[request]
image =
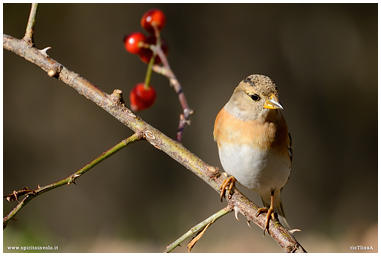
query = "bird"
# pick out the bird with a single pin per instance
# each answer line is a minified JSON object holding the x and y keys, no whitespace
{"x":254,"y":144}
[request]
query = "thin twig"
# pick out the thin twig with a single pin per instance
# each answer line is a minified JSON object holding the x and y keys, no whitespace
{"x":31,"y":24}
{"x":198,"y":227}
{"x":67,"y":181}
{"x":167,"y":71}
{"x":147,"y":80}
{"x":195,"y":239}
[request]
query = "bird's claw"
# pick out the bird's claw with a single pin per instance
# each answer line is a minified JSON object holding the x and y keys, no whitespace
{"x":224,"y":186}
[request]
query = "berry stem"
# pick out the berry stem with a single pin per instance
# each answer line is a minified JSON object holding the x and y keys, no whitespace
{"x":167,"y":71}
{"x":157,"y":32}
{"x":155,"y":50}
{"x":147,"y":80}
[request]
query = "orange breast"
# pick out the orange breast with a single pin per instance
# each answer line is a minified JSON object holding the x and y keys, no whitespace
{"x":261,"y":134}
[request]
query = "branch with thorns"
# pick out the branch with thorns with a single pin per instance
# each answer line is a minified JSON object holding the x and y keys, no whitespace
{"x":114,"y":105}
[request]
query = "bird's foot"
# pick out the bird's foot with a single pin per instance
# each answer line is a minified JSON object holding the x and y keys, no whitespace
{"x":270,"y":214}
{"x":227,"y":185}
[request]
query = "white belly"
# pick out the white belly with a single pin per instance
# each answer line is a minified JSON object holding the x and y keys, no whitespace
{"x":254,"y":169}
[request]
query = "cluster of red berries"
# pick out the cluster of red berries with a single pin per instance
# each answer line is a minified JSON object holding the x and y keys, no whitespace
{"x":143,"y":96}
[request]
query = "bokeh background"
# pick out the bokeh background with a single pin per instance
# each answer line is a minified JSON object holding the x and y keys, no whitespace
{"x":323,"y":58}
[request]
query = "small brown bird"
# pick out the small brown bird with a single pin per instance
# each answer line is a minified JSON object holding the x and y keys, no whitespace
{"x":254,"y":144}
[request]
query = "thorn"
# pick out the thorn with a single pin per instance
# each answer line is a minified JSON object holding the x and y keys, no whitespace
{"x":43,"y":51}
{"x":188,"y":111}
{"x":248,"y":223}
{"x":73,"y":177}
{"x":292,"y":231}
{"x":236,"y":212}
{"x":191,"y":111}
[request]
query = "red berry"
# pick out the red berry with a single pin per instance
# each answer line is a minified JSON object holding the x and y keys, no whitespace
{"x":153,"y":16}
{"x":131,"y":42}
{"x":142,"y":98}
{"x":146,"y":54}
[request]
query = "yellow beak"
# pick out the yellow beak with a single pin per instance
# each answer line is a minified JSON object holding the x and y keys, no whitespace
{"x":272,"y":103}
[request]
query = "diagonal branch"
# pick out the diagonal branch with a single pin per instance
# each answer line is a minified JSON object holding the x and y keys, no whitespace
{"x":30,"y":194}
{"x":198,"y":228}
{"x":112,"y":104}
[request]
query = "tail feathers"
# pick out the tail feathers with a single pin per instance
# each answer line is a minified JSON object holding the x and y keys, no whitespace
{"x":282,"y":216}
{"x":279,"y":210}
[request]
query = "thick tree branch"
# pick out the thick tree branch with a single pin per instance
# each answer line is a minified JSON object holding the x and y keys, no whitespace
{"x":114,"y":106}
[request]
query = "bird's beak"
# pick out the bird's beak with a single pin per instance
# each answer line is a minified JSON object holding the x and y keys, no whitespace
{"x":272,"y":103}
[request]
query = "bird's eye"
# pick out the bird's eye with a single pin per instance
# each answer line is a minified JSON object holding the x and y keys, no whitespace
{"x":255,"y":97}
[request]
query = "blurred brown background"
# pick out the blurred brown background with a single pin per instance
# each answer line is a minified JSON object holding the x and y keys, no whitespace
{"x":323,"y":58}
